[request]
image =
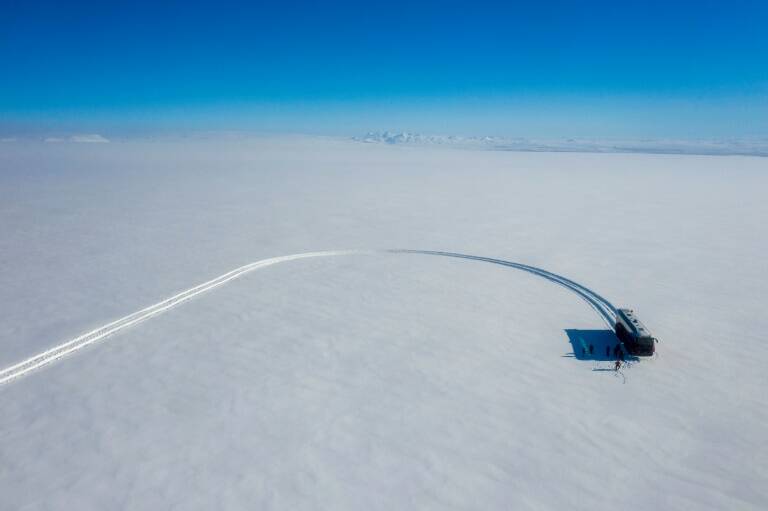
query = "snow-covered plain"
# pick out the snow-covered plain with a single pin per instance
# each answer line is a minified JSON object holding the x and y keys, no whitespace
{"x":380,"y":380}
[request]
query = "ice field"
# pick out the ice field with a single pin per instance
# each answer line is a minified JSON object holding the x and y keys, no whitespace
{"x":367,"y":379}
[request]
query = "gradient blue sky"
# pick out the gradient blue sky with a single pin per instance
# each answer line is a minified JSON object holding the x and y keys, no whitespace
{"x":549,"y":68}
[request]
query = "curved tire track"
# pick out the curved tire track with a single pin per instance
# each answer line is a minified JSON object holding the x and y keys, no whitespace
{"x":602,"y":306}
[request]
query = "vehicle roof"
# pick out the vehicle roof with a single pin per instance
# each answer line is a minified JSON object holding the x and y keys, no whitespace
{"x":628,"y":315}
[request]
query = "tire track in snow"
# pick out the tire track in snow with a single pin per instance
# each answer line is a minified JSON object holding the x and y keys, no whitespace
{"x":602,"y":306}
{"x":57,"y":352}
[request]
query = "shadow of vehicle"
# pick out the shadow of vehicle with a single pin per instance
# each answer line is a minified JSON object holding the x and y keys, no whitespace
{"x":603,"y":343}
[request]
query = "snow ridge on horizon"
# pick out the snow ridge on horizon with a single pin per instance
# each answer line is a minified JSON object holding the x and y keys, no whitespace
{"x":744,"y":147}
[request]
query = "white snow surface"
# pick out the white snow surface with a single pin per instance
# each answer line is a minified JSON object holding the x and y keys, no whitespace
{"x":379,"y":380}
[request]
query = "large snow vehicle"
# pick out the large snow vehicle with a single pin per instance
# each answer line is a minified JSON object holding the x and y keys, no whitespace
{"x":635,"y":336}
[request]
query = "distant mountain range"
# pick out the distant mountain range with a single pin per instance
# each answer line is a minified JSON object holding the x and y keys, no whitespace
{"x":751,"y":147}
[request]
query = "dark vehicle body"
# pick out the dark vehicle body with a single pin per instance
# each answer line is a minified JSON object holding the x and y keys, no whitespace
{"x":633,"y":334}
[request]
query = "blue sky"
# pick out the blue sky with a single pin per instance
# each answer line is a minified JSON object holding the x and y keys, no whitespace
{"x":556,"y":68}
